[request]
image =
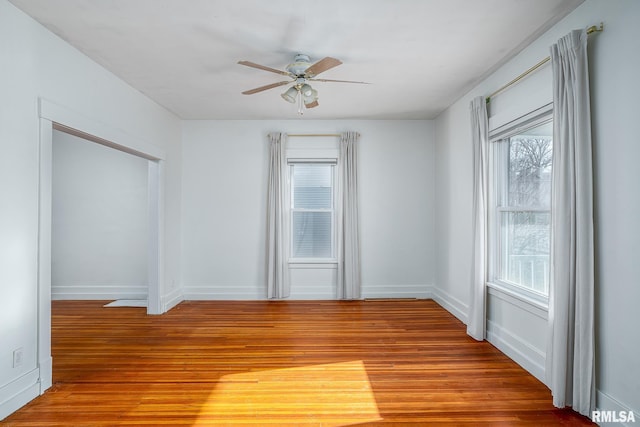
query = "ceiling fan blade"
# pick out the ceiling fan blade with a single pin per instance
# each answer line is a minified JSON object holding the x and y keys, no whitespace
{"x":322,"y":66}
{"x":312,"y":105}
{"x":267,"y":87}
{"x":338,"y":81}
{"x":263,"y":67}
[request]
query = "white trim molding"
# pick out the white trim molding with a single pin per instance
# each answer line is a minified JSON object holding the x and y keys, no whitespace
{"x":421,"y":291}
{"x":94,"y":292}
{"x":520,"y":300}
{"x":46,"y":373}
{"x":228,"y":292}
{"x":171,"y":299}
{"x":520,"y":351}
{"x":19,"y":392}
{"x":450,"y":303}
{"x":78,"y":124}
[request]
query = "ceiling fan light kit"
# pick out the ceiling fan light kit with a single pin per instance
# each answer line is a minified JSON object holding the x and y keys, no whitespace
{"x":306,"y":90}
{"x":301,"y":71}
{"x":290,"y":94}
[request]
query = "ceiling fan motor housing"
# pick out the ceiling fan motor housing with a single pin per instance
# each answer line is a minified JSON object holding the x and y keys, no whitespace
{"x":299,"y":65}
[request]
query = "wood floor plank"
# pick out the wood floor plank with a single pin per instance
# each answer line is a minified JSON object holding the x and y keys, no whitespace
{"x":303,"y":363}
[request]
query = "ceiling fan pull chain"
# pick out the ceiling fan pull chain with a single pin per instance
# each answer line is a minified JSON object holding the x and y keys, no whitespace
{"x":300,"y":107}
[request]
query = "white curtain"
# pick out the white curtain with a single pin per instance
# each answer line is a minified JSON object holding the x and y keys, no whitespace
{"x":348,"y":283}
{"x":277,"y":233}
{"x":570,"y":366}
{"x":480,"y":141}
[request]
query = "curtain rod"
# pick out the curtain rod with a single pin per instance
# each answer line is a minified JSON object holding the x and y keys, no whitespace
{"x":314,"y":134}
{"x":590,"y":30}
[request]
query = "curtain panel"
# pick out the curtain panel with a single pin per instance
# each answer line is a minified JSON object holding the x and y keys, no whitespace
{"x":570,"y":363}
{"x":277,"y":268}
{"x":480,"y":140}
{"x":348,"y":279}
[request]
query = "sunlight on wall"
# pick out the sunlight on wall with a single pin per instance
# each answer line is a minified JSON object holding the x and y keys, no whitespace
{"x":336,"y":394}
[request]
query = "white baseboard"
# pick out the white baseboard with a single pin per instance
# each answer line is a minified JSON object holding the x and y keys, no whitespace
{"x":18,"y":393}
{"x":223,"y":293}
{"x":451,"y":304}
{"x":172,"y":299}
{"x":252,"y":293}
{"x":522,"y":352}
{"x":397,"y":291}
{"x":98,"y":292}
{"x":605,"y":402}
{"x":46,"y":373}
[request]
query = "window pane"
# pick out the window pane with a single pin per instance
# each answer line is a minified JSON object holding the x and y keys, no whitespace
{"x":520,"y":239}
{"x":312,"y":186}
{"x":530,"y":168}
{"x":525,"y":249}
{"x":311,"y":235}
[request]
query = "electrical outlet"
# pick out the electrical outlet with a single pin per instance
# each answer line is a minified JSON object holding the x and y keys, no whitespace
{"x":18,"y":355}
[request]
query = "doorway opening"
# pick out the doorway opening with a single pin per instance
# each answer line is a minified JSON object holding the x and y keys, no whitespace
{"x":99,"y":231}
{"x":57,"y":118}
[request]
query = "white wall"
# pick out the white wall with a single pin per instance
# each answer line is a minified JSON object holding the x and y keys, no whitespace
{"x":224,"y":205}
{"x":222,"y":251}
{"x":613,"y":64}
{"x":34,"y":63}
{"x":100,"y":221}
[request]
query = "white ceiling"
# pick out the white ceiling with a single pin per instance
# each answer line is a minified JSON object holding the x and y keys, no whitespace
{"x":419,"y":55}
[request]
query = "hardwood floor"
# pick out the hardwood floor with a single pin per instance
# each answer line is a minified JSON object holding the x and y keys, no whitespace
{"x":320,"y":363}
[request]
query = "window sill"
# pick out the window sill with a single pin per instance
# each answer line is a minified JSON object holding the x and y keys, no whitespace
{"x":316,"y":263}
{"x":537,"y":306}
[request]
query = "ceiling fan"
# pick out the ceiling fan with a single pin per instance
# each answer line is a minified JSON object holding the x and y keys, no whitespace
{"x":300,"y":72}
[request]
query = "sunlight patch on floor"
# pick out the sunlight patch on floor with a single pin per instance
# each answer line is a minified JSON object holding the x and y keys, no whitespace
{"x":127,"y":303}
{"x":336,"y":394}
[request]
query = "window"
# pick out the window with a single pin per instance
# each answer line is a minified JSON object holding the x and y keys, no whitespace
{"x":522,"y":199}
{"x":312,"y":210}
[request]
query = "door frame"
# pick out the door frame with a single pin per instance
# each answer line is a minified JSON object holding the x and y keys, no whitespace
{"x":53,"y":116}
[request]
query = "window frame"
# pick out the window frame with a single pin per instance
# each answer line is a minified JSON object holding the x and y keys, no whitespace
{"x":498,"y":189}
{"x":291,"y":163}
